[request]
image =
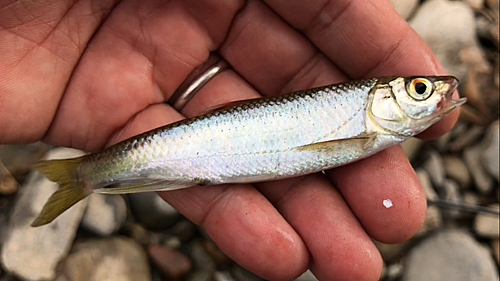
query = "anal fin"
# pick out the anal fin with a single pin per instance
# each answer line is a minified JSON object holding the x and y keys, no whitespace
{"x":144,"y":185}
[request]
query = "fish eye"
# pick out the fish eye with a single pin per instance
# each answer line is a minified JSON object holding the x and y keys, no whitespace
{"x":419,"y":89}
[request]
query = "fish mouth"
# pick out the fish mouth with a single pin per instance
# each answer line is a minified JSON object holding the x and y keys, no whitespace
{"x":447,"y":86}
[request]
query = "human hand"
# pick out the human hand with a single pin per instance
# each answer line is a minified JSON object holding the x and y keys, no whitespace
{"x":92,"y":73}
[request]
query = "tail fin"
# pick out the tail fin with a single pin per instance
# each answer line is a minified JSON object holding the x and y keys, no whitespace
{"x":70,"y":192}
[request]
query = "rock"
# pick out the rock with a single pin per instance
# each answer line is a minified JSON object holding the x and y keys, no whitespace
{"x":184,"y":229}
{"x":105,"y":214}
{"x":213,"y":250}
{"x":433,"y":220}
{"x":471,"y":198}
{"x":488,"y":225}
{"x":425,"y":181}
{"x":390,"y":252}
{"x":482,"y":180}
{"x":172,"y":263}
{"x":20,"y":159}
{"x":404,"y":8}
{"x":467,"y":138}
{"x":437,"y":23}
{"x":411,"y":147}
{"x":200,"y":275}
{"x":490,"y":150}
{"x":307,"y":276}
{"x":435,"y":168}
{"x":115,"y":258}
{"x":223,"y":276}
{"x":201,"y":259}
{"x":241,"y":274}
{"x":475,"y":4}
{"x":450,"y":255}
{"x":172,"y":242}
{"x":452,"y":194}
{"x":33,"y":253}
{"x":8,"y":184}
{"x":496,"y":249}
{"x":152,"y":211}
{"x":455,"y":169}
{"x":394,"y":271}
{"x":138,"y":233}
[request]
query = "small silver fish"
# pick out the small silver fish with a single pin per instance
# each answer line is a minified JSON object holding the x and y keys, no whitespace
{"x":258,"y":140}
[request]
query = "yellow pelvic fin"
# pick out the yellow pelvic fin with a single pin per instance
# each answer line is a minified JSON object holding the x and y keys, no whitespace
{"x":70,"y":192}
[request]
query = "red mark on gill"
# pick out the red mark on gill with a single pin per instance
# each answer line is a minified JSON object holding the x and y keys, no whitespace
{"x":440,"y":104}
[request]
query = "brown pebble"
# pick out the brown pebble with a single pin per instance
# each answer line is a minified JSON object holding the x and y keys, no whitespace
{"x":455,"y":169}
{"x":172,"y":263}
{"x":8,"y":184}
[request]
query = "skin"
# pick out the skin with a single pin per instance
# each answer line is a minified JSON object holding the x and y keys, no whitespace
{"x":88,"y":74}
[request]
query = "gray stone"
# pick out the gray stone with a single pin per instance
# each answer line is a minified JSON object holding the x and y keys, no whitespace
{"x":425,"y":181}
{"x":455,"y":169}
{"x":433,"y":220}
{"x":20,"y":159}
{"x":241,"y":274}
{"x":411,"y":147}
{"x":437,"y":23}
{"x":452,"y":194}
{"x":467,"y":138}
{"x":201,"y":259}
{"x":307,"y":276}
{"x":200,"y":275}
{"x":435,"y":168}
{"x":33,"y":253}
{"x":394,"y":271}
{"x":105,"y":214}
{"x":390,"y":252}
{"x":223,"y":276}
{"x":471,"y":198}
{"x":450,"y":255}
{"x":116,"y":258}
{"x":490,"y":150}
{"x":152,"y":211}
{"x":488,"y":225}
{"x":482,"y":180}
{"x":184,"y":229}
{"x":404,"y":8}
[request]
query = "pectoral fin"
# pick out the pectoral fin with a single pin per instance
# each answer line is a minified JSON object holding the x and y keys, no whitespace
{"x":327,"y":146}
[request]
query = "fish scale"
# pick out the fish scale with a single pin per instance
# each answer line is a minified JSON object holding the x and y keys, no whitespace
{"x":254,"y":151}
{"x":258,"y":140}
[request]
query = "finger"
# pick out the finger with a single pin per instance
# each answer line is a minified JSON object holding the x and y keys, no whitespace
{"x":237,"y":217}
{"x":256,"y":21}
{"x":139,"y":56}
{"x":339,"y":246}
{"x":40,"y":43}
{"x":330,"y":236}
{"x":364,"y":39}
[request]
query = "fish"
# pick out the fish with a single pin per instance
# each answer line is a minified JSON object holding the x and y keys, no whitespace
{"x":258,"y":140}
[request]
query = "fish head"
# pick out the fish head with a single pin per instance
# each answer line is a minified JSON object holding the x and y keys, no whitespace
{"x":407,"y":106}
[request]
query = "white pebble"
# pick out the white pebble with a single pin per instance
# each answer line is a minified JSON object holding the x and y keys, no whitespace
{"x":387,"y":203}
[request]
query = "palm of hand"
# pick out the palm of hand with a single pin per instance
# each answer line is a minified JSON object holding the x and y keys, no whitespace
{"x":57,"y":88}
